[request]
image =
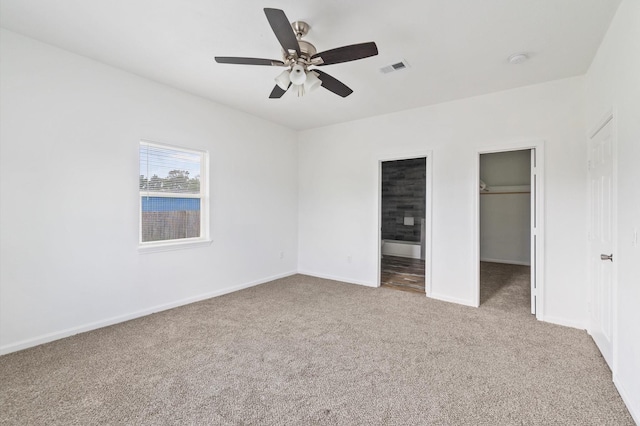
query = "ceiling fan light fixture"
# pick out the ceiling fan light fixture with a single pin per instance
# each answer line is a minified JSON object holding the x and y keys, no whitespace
{"x":298,"y":75}
{"x":299,"y":54}
{"x":312,"y":82}
{"x":283,"y":80}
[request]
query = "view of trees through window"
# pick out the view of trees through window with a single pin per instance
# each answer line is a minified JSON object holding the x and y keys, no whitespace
{"x":176,"y":181}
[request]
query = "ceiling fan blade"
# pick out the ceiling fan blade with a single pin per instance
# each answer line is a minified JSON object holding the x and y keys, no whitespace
{"x":333,"y":85}
{"x":347,"y":53}
{"x":248,"y":61}
{"x":282,"y":29}
{"x":277,"y":92}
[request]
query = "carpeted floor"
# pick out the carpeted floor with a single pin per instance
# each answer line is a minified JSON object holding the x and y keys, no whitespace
{"x":302,"y":351}
{"x":505,"y":287}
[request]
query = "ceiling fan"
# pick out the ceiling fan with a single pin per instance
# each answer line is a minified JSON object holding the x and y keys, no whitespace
{"x":299,"y":55}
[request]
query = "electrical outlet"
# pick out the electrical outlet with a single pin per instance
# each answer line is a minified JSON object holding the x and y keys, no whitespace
{"x":281,"y":254}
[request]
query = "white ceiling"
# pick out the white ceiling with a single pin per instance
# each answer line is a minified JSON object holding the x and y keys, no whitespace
{"x":456,"y":48}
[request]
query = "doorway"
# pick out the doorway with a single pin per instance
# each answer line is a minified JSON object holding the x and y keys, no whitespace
{"x":509,"y":224}
{"x":403,"y":224}
{"x":505,"y":243}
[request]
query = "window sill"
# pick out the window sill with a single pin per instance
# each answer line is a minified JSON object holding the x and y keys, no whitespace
{"x":170,"y":246}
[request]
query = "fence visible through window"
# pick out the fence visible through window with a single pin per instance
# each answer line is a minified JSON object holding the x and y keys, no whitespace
{"x":170,"y":218}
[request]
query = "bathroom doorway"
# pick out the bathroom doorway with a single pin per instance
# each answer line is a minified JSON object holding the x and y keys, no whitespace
{"x":403,"y":224}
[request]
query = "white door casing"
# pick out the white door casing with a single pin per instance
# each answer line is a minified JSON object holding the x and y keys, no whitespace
{"x":600,"y":236}
{"x":534,"y":228}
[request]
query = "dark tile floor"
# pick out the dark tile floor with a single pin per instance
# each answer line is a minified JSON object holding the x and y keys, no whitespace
{"x":402,"y":273}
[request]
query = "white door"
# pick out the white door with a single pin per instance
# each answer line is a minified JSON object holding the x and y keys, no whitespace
{"x":601,"y":240}
{"x":534,"y":228}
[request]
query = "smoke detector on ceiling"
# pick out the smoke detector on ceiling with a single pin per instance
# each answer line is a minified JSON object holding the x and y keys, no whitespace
{"x":518,"y":58}
{"x":398,"y":66}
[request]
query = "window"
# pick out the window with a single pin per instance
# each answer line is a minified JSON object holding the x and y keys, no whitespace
{"x":173,"y":197}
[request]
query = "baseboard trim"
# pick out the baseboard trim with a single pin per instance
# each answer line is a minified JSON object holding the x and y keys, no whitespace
{"x":633,"y":410}
{"x":445,"y":298}
{"x":564,"y":322}
{"x":56,"y":335}
{"x":336,"y":278}
{"x":508,"y":262}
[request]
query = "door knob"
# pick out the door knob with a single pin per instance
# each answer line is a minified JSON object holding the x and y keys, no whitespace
{"x":606,"y":257}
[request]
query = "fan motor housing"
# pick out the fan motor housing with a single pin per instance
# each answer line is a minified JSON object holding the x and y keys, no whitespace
{"x":307,"y":49}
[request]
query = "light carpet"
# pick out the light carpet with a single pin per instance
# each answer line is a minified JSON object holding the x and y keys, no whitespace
{"x":303,"y":351}
{"x":505,"y":287}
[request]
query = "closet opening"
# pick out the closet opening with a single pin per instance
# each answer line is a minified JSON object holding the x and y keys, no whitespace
{"x":507,"y":224}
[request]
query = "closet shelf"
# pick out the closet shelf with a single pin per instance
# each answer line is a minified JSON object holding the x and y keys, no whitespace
{"x":504,"y":193}
{"x":506,"y":189}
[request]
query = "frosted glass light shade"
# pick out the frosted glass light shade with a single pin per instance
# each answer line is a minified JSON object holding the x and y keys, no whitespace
{"x":283,"y":80}
{"x":298,"y":76}
{"x":312,"y":82}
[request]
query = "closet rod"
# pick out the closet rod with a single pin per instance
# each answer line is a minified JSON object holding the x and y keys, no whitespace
{"x":502,"y":193}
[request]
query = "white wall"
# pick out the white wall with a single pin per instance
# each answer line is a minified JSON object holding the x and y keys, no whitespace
{"x":508,"y":168}
{"x":505,"y":227}
{"x":338,"y":182}
{"x":69,"y":208}
{"x":613,"y":82}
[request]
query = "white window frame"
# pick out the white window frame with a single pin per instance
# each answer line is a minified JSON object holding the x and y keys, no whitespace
{"x":204,"y":238}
